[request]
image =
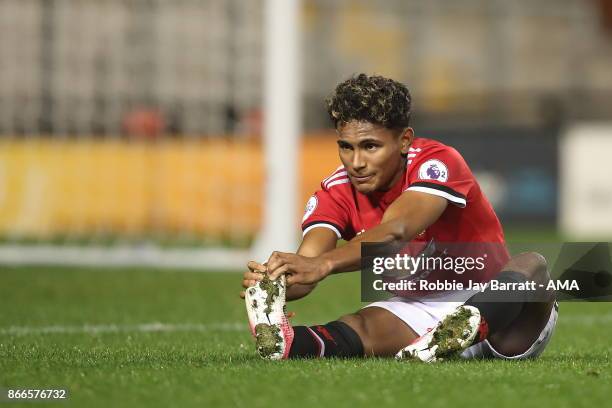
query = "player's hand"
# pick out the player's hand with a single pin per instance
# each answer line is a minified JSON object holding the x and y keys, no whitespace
{"x":253,"y":275}
{"x":297,"y":268}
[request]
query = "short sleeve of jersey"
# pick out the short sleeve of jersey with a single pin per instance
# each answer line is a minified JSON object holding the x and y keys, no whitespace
{"x":323,"y":209}
{"x":442,"y":172}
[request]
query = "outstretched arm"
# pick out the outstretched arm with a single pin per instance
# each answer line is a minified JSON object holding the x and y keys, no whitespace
{"x":410,"y":214}
{"x":315,"y":243}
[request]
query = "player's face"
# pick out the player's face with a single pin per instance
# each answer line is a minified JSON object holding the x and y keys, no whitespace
{"x":372,"y":154}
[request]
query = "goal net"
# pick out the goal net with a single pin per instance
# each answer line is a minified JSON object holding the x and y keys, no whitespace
{"x":133,"y":132}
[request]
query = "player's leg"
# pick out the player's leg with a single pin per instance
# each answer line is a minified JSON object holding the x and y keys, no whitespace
{"x":372,"y":331}
{"x":382,"y":333}
{"x":516,"y":335}
{"x":511,"y":321}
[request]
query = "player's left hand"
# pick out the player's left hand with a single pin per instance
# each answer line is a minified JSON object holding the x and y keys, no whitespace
{"x":297,"y":268}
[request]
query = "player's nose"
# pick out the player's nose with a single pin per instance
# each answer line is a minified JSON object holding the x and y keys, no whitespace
{"x":358,"y":161}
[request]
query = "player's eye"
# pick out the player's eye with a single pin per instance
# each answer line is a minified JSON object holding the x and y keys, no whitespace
{"x":371,"y":146}
{"x":345,"y":146}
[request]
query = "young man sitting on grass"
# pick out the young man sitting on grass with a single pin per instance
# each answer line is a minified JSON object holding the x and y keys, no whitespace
{"x":393,"y":187}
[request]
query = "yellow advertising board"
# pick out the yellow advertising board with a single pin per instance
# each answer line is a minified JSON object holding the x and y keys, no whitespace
{"x":91,"y":186}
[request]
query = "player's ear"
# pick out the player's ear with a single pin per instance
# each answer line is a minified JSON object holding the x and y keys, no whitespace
{"x":406,"y":139}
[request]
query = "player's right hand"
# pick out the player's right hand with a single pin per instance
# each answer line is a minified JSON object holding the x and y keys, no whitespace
{"x":253,"y":275}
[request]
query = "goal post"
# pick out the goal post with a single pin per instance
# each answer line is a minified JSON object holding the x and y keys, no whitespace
{"x":281,"y":127}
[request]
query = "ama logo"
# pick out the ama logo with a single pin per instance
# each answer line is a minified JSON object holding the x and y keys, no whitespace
{"x":433,"y":170}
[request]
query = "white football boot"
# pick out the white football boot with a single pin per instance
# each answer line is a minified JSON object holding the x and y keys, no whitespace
{"x":265,"y":304}
{"x":448,"y":339}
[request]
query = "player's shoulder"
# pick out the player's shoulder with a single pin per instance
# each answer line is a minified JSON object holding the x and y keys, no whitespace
{"x":424,"y":148}
{"x":338,"y":180}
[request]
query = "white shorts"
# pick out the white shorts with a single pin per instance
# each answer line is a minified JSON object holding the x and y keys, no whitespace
{"x":421,"y":316}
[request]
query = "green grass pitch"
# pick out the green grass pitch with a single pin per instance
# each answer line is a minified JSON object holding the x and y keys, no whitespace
{"x":141,"y":337}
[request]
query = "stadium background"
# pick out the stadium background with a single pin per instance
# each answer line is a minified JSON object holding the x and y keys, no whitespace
{"x":132,"y":133}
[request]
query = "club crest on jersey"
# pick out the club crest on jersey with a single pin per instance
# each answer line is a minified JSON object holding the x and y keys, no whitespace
{"x":433,"y":170}
{"x":311,"y":205}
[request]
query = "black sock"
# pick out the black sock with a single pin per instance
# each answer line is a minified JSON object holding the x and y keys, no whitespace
{"x":334,"y":339}
{"x":499,"y":308}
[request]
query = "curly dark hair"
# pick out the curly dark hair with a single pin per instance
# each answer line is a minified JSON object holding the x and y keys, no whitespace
{"x":373,"y":99}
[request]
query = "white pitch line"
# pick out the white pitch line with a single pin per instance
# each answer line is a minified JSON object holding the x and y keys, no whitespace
{"x":156,"y":327}
{"x":125,"y":256}
{"x":117,"y":328}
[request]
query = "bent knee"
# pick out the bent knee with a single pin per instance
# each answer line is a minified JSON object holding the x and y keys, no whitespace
{"x":358,"y":323}
{"x":531,"y":264}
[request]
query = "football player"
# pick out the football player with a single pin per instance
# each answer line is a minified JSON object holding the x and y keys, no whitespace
{"x":393,"y":187}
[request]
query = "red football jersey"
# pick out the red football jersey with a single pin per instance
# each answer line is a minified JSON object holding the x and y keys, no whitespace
{"x":432,"y":168}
